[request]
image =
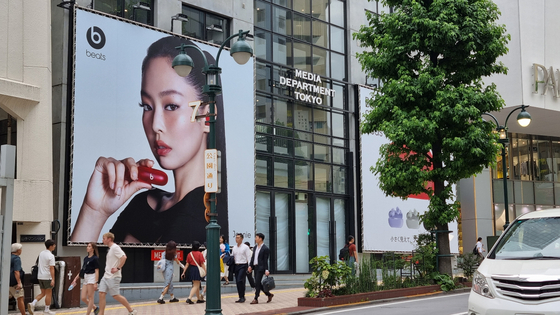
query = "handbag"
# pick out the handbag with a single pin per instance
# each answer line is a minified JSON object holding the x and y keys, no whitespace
{"x":34,"y":278}
{"x":268,"y":284}
{"x":200,"y":269}
{"x":229,"y":260}
{"x":161,"y":265}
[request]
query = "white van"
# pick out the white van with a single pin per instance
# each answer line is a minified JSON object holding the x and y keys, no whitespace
{"x":521,"y":274}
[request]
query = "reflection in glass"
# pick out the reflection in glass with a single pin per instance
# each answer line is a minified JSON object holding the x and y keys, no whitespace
{"x":340,"y":219}
{"x":338,"y":125}
{"x":304,"y":175}
{"x":320,"y":10}
{"x":262,"y":168}
{"x":322,"y":153}
{"x":302,"y":118}
{"x":323,"y":221}
{"x":337,"y":12}
{"x":544,"y":193}
{"x":322,"y":139}
{"x":281,"y":210}
{"x":263,"y":143}
{"x":323,"y":176}
{"x":263,"y":213}
{"x":339,"y":179}
{"x":282,"y":50}
{"x":282,"y":146}
{"x":321,"y":65}
{"x":281,"y":173}
{"x":263,"y":77}
{"x":338,"y":100}
{"x":542,"y":160}
{"x":302,"y":233}
{"x":337,"y":39}
{"x":302,"y":28}
{"x":321,"y":34}
{"x":262,"y":14}
{"x":500,"y":217}
{"x":282,"y":21}
{"x":338,"y":156}
{"x":523,"y":192}
{"x":264,"y":109}
{"x":283,"y":115}
{"x":322,"y":121}
{"x":302,"y":56}
{"x":303,"y":149}
{"x":302,"y":6}
{"x":262,"y":41}
{"x":338,"y":66}
{"x":498,"y":187}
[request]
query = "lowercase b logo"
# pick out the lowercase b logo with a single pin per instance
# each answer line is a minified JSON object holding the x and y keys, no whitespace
{"x":95,"y":37}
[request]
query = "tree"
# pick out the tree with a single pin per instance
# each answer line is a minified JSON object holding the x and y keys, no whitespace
{"x":431,"y":56}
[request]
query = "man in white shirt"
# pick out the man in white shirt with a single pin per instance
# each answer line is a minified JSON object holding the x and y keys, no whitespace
{"x":111,"y":281}
{"x":46,"y":278}
{"x":242,"y":255}
{"x":480,"y":249}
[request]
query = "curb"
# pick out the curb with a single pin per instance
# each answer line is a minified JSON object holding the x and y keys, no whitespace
{"x":456,"y":291}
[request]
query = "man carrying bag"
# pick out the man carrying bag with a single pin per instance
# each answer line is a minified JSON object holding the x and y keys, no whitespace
{"x":259,"y":263}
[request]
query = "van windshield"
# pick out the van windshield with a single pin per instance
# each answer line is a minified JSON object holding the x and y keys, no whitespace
{"x":530,"y":239}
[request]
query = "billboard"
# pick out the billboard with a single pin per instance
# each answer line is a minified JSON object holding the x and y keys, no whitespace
{"x":388,"y":223}
{"x":132,"y":128}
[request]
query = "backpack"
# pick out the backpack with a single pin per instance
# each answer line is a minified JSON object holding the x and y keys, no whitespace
{"x":344,"y":253}
{"x":475,"y":250}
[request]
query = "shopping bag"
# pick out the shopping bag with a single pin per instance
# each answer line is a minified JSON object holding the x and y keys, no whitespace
{"x":161,"y":265}
{"x":268,"y":284}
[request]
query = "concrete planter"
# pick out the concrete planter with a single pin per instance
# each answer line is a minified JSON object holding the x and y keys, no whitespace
{"x":369,"y":296}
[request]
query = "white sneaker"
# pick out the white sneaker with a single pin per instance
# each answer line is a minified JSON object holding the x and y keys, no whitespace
{"x":30,"y":308}
{"x":134,"y":312}
{"x":49,"y":312}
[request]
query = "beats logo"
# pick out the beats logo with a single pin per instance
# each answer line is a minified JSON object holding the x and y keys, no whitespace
{"x":95,"y":37}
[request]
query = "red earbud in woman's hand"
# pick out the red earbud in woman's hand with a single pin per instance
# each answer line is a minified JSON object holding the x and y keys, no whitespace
{"x":151,"y":176}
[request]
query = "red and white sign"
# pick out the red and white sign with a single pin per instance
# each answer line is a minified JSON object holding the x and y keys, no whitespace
{"x":157,"y":254}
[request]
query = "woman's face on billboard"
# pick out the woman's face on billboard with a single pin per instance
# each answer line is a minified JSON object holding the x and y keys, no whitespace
{"x":173,"y":138}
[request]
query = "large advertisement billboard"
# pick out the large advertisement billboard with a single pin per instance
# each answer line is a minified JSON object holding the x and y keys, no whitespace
{"x":389,"y":223}
{"x":132,"y":128}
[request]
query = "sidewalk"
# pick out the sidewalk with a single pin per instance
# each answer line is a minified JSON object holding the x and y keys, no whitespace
{"x":284,"y":301}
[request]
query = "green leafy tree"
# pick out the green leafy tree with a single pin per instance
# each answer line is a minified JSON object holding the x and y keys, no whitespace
{"x":431,"y":56}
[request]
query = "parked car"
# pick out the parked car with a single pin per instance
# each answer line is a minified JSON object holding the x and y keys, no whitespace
{"x":521,"y":274}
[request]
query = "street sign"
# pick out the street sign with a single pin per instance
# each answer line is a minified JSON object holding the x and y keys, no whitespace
{"x":211,"y":171}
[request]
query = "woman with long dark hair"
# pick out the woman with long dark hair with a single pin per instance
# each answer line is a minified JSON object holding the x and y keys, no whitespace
{"x":170,"y":257}
{"x":155,"y":215}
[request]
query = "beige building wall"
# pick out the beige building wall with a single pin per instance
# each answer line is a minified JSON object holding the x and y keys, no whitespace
{"x":25,"y":94}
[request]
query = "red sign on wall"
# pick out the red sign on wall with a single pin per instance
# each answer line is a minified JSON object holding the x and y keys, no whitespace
{"x":157,"y":254}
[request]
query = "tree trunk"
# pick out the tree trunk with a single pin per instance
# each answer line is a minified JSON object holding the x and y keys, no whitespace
{"x":444,"y":249}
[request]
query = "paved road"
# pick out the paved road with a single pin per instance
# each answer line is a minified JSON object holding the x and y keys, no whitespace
{"x":442,"y":304}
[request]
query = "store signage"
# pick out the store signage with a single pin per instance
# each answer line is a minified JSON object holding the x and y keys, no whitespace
{"x":158,"y":254}
{"x":32,"y":238}
{"x":307,"y":90}
{"x":546,"y":78}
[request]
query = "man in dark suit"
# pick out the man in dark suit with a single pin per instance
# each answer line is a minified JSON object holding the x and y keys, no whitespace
{"x":259,"y":263}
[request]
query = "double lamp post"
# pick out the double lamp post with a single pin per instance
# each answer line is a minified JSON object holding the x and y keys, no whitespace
{"x":524,"y":119}
{"x":241,"y":52}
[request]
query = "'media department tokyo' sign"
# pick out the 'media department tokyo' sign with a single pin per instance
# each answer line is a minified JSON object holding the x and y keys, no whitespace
{"x":304,"y":90}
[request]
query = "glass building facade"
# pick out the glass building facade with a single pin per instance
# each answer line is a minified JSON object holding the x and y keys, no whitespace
{"x":302,"y":186}
{"x":533,"y":169}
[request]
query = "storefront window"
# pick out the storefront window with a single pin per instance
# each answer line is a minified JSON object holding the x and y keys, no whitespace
{"x":302,"y":28}
{"x":323,"y":174}
{"x":262,"y":43}
{"x":321,"y":63}
{"x":302,"y":6}
{"x":282,"y":173}
{"x":321,"y":34}
{"x":304,"y":175}
{"x":320,"y":9}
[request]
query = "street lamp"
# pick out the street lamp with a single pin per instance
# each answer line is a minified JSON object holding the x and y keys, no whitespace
{"x":183,"y":64}
{"x":524,"y":119}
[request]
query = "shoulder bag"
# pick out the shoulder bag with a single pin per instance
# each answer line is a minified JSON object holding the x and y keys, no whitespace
{"x":200,"y":269}
{"x":35,"y":272}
